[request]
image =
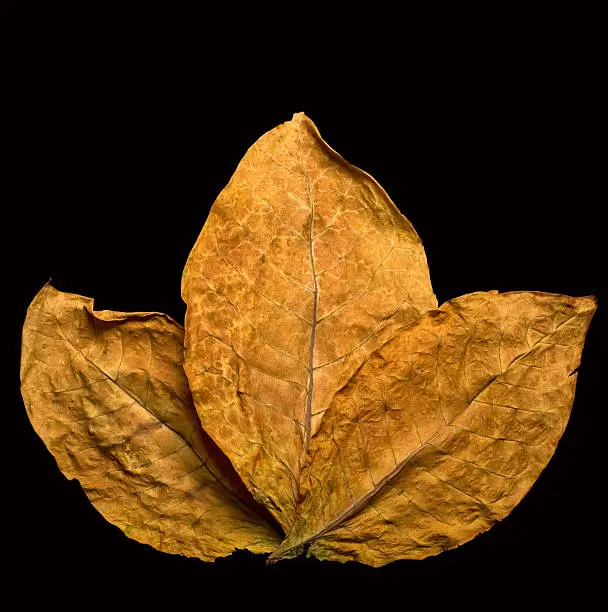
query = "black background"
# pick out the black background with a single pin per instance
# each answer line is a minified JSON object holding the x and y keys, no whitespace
{"x":121,"y":129}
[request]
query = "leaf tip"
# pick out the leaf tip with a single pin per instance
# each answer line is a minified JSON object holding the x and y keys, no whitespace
{"x":40,"y":295}
{"x":587,"y":303}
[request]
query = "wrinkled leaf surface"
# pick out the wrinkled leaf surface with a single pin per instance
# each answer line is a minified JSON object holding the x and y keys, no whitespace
{"x":373,"y":425}
{"x":107,"y":394}
{"x":304,"y":266}
{"x":443,"y":430}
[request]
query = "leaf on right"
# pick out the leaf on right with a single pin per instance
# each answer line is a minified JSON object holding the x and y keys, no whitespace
{"x":443,"y":430}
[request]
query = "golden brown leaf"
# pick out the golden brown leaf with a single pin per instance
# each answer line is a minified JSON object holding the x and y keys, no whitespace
{"x":303,"y":268}
{"x":107,"y":394}
{"x":442,"y":430}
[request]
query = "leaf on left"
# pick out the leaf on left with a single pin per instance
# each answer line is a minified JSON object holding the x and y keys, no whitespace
{"x":107,"y":394}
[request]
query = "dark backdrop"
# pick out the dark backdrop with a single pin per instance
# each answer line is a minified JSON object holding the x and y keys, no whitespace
{"x":121,"y":132}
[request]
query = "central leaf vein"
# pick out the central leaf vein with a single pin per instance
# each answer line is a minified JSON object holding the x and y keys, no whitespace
{"x":315,"y":298}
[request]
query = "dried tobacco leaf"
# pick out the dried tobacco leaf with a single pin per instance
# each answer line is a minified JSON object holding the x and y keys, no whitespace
{"x":107,"y":394}
{"x":303,"y":268}
{"x":443,"y":430}
{"x":373,"y":425}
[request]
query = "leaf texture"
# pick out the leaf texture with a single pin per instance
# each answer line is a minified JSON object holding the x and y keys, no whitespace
{"x":303,"y":268}
{"x":107,"y":394}
{"x":443,"y":430}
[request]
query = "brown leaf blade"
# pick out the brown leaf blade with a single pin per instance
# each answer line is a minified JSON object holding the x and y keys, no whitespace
{"x":302,"y":269}
{"x":107,"y":394}
{"x":443,"y":430}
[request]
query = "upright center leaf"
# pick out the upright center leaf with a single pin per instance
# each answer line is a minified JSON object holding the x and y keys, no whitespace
{"x":303,"y":268}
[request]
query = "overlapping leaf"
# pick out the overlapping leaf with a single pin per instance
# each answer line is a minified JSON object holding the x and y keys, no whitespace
{"x":107,"y":394}
{"x":304,"y":266}
{"x":443,"y":430}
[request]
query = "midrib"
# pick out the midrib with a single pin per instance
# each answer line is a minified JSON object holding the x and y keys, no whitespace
{"x":315,"y":297}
